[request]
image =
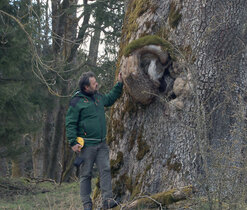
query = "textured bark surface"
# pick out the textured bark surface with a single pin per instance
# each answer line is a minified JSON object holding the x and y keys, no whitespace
{"x":165,"y":144}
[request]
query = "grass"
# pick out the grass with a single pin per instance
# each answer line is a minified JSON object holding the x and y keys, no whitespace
{"x":22,"y":195}
{"x":41,"y":196}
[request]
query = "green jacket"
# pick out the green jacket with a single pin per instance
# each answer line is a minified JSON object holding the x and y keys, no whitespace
{"x":86,"y":116}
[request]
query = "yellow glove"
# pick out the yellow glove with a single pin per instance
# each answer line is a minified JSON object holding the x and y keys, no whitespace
{"x":81,"y":141}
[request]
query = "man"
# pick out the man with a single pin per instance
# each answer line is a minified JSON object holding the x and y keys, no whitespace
{"x":86,"y":118}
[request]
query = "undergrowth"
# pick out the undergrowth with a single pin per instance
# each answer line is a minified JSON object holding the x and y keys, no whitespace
{"x":23,"y":194}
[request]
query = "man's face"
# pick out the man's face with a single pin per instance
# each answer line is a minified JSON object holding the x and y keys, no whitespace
{"x":93,"y":86}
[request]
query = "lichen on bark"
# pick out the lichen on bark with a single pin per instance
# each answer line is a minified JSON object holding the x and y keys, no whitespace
{"x":135,"y":10}
{"x":116,"y":164}
{"x":143,"y":147}
{"x":174,"y":15}
{"x":198,"y":80}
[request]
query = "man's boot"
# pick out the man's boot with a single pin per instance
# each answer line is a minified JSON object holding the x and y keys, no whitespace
{"x":109,"y":203}
{"x":88,"y":206}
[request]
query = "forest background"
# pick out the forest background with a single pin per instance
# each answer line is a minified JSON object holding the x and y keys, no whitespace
{"x":45,"y":47}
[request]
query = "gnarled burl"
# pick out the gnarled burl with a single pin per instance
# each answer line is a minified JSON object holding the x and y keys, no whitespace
{"x":142,"y":71}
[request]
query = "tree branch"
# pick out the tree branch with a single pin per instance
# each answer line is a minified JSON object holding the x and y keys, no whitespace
{"x":82,"y":31}
{"x":59,"y":31}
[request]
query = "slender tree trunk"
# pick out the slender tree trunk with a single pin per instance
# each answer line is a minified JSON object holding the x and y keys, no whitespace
{"x":178,"y":121}
{"x":19,"y":162}
{"x":17,"y":168}
{"x":56,"y":147}
{"x":38,"y":155}
{"x":46,"y":30}
{"x":94,"y":43}
{"x":48,"y":134}
{"x":3,"y":167}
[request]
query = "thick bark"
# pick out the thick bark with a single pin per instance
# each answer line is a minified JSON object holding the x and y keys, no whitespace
{"x":187,"y":129}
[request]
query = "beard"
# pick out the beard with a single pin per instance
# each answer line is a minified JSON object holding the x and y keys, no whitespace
{"x":92,"y":92}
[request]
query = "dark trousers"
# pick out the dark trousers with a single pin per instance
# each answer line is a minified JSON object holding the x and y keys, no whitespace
{"x":98,"y":154}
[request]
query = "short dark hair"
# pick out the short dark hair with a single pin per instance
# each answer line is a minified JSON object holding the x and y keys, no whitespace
{"x":84,"y":79}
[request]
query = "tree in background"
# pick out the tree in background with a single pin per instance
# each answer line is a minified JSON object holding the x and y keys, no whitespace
{"x":17,"y":105}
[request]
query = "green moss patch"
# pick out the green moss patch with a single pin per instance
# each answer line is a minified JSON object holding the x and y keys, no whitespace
{"x":164,"y":198}
{"x":122,"y":184}
{"x":116,"y":164}
{"x":118,"y":126}
{"x":96,"y":190}
{"x":132,"y":139}
{"x":143,"y":147}
{"x":136,"y":190}
{"x":174,"y":15}
{"x":164,"y":32}
{"x":143,"y":41}
{"x":150,"y":40}
{"x":135,"y":10}
{"x":136,"y":187}
{"x":173,"y":165}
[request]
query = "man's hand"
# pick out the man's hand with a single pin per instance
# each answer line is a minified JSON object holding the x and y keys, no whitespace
{"x":120,"y":78}
{"x":76,"y":148}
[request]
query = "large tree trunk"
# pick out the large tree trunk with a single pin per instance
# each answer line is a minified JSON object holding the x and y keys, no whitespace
{"x":187,"y":124}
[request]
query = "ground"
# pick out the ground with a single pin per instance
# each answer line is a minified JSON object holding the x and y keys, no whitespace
{"x":28,"y":194}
